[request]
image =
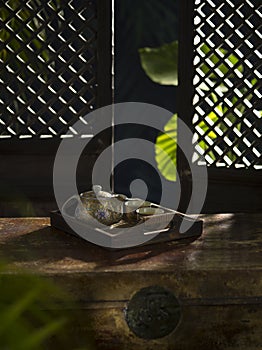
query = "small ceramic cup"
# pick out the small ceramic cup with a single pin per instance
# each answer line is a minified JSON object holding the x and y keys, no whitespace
{"x":130,"y":207}
{"x":148,"y":211}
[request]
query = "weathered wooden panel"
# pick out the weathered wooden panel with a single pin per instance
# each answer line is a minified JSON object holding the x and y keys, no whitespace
{"x":217,"y":280}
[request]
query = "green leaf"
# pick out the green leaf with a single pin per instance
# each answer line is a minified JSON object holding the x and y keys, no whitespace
{"x":231,"y":62}
{"x":37,"y":337}
{"x":16,"y":51}
{"x":161,"y":63}
{"x":166,"y":149}
{"x":212,"y":117}
{"x":13,"y":312}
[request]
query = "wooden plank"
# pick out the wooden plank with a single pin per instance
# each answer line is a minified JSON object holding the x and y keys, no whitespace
{"x":213,"y":328}
{"x":224,"y":263}
{"x":217,"y":280}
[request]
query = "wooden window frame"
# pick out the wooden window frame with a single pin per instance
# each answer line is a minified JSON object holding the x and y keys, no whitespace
{"x":26,"y":172}
{"x":27,"y":164}
{"x":229,"y":190}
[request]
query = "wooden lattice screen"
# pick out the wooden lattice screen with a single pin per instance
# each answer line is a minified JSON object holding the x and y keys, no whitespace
{"x":227,"y":80}
{"x":55,"y":67}
{"x":52,"y":55}
{"x":220,"y":100}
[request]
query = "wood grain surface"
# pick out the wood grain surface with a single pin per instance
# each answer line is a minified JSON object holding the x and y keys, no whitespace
{"x":217,"y":279}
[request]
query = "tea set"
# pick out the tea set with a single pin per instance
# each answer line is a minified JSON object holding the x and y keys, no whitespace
{"x":110,"y":208}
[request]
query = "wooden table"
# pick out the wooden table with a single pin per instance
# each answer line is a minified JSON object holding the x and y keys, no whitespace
{"x":217,"y":280}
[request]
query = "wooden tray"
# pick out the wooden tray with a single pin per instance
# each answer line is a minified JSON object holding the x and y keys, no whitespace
{"x":114,"y":241}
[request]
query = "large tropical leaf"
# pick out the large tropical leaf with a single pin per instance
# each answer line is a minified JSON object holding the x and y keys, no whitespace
{"x":166,"y":149}
{"x":161,"y":63}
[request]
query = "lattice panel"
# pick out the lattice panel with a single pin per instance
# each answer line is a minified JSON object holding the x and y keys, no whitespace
{"x":48,"y":59}
{"x":227,"y":81}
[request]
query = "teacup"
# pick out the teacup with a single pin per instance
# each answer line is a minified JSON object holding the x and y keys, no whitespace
{"x":130,"y":207}
{"x":148,"y":211}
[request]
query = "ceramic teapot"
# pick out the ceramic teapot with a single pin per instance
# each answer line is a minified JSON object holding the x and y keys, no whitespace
{"x":104,"y":207}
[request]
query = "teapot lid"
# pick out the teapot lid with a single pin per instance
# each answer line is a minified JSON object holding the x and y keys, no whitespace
{"x":97,"y":193}
{"x":97,"y":189}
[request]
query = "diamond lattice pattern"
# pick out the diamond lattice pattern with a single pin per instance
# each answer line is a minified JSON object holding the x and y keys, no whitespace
{"x":48,"y":66}
{"x":227,"y":81}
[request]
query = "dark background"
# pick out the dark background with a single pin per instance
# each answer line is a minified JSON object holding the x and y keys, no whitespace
{"x":141,"y":24}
